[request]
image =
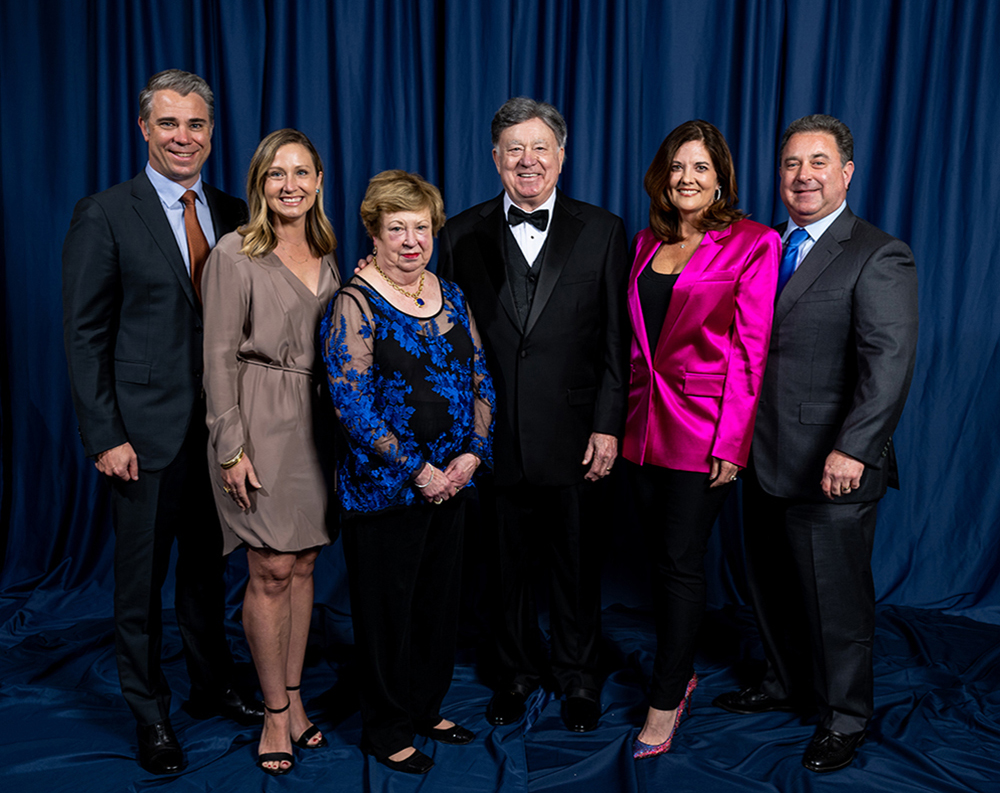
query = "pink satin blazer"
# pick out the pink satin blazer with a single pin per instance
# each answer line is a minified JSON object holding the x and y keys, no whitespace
{"x":695,"y":396}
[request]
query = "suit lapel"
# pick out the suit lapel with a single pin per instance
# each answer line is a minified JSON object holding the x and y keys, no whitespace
{"x":645,"y":250}
{"x":147,"y":205}
{"x":489,"y":236}
{"x":827,"y":248}
{"x":566,"y":227}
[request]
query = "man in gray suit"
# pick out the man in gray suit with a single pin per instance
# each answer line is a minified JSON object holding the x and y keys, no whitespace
{"x":133,"y":332}
{"x":839,"y":367}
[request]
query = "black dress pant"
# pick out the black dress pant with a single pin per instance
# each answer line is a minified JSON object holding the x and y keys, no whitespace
{"x":810,"y":584}
{"x":149,"y":514}
{"x":677,"y":510}
{"x":557,"y":526}
{"x":405,"y":571}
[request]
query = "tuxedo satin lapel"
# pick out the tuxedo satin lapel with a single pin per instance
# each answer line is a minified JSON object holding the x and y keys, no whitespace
{"x":827,"y":248}
{"x":489,"y":237}
{"x":147,"y":205}
{"x":562,"y":238}
{"x":644,"y":253}
{"x":692,"y":272}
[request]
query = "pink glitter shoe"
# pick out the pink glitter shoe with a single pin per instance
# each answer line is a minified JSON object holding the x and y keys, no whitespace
{"x":640,"y":749}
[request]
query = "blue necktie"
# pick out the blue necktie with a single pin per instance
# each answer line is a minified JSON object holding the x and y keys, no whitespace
{"x":790,"y":256}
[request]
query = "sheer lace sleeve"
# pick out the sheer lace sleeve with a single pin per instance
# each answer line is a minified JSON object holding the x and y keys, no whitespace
{"x":367,"y":414}
{"x":481,"y":443}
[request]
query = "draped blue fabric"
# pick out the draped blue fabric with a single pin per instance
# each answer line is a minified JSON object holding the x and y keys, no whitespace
{"x":393,"y":84}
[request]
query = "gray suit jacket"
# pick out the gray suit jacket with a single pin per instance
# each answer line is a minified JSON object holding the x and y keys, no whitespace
{"x":843,"y":345}
{"x":131,"y":321}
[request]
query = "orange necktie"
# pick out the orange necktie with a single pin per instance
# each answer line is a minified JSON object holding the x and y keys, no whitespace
{"x":197,"y":244}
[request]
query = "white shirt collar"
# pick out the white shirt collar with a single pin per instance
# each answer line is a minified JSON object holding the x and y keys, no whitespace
{"x":817,"y":229}
{"x":549,"y":204}
{"x":169,"y":191}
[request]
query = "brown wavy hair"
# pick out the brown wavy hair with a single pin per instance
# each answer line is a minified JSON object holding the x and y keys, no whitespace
{"x":664,"y":219}
{"x":258,"y":234}
{"x":399,"y":191}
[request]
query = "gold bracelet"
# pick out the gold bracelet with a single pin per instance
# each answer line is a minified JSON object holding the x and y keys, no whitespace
{"x":230,"y":463}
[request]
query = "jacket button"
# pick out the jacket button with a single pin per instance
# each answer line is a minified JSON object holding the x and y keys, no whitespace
{"x":524,"y":353}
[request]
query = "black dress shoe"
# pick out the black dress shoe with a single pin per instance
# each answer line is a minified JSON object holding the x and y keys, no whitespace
{"x":506,"y":707}
{"x":831,"y":751}
{"x":580,"y":713}
{"x":159,"y":750}
{"x":230,"y":704}
{"x":416,"y":763}
{"x":751,"y":700}
{"x":456,"y":734}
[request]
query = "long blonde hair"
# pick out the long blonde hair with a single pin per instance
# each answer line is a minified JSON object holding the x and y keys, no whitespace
{"x":258,"y":234}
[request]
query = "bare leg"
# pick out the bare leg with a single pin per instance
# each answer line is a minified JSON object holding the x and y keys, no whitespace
{"x":301,"y":614}
{"x":658,"y":725}
{"x":267,"y":609}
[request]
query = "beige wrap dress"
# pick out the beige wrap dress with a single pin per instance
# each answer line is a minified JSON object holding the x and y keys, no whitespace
{"x":262,"y":393}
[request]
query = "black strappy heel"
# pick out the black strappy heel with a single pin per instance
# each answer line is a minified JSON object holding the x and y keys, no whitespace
{"x":276,"y":757}
{"x":303,"y":740}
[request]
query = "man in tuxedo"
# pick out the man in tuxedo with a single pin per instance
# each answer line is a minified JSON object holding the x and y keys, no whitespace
{"x":544,"y":276}
{"x":839,"y":366}
{"x":133,"y":333}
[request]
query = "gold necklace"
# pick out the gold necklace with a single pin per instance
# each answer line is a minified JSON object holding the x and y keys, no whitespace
{"x":414,"y":296}
{"x":288,"y":249}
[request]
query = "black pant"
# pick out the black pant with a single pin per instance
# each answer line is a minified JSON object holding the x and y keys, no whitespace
{"x":149,"y":513}
{"x":556,"y":525}
{"x":810,"y":583}
{"x":405,"y":570}
{"x":677,"y":510}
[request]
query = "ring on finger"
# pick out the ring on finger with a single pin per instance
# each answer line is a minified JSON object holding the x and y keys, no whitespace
{"x":438,"y":500}
{"x":226,"y":490}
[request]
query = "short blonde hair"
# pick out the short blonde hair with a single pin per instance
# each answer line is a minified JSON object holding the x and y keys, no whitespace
{"x":399,"y":191}
{"x":258,"y":234}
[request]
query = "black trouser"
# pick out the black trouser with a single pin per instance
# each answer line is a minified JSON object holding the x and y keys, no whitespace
{"x":677,"y":510}
{"x":556,"y":525}
{"x":405,"y":570}
{"x":810,"y":583}
{"x":149,"y":513}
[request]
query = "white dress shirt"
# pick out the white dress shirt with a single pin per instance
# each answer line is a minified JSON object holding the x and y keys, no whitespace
{"x":529,"y":239}
{"x":814,"y":230}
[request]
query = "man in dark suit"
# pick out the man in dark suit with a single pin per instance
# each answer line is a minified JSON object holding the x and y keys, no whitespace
{"x":133,"y":333}
{"x":839,"y":367}
{"x":544,"y":277}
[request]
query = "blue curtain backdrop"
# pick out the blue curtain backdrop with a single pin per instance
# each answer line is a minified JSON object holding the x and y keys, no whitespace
{"x":413,"y":85}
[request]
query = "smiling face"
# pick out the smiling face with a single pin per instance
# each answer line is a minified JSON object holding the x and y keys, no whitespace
{"x":179,"y":135}
{"x":693,"y":180}
{"x":529,"y":161}
{"x":290,"y":184}
{"x":814,"y":182}
{"x":405,"y":243}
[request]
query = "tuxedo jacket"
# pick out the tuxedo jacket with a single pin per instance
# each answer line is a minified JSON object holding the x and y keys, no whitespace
{"x":132,"y":324}
{"x":841,"y":357}
{"x":562,"y":376}
{"x":695,"y":395}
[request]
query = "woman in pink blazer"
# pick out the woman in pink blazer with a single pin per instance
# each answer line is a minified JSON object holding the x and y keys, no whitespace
{"x":700,"y":298}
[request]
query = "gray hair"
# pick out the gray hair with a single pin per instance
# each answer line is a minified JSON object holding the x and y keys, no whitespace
{"x":182,"y":83}
{"x":520,"y":109}
{"x":821,"y":123}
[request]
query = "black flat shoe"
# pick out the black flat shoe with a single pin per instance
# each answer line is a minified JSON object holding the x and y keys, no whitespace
{"x":581,"y":714}
{"x":750,"y":701}
{"x":159,"y":750}
{"x":831,"y":751}
{"x":275,"y":757}
{"x":456,"y":734}
{"x":230,"y":704}
{"x":506,"y":707}
{"x":416,"y":763}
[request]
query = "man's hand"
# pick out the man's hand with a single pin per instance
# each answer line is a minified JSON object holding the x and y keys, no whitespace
{"x":238,"y":481}
{"x":120,"y":461}
{"x":601,"y":453}
{"x":722,"y":472}
{"x":841,"y":474}
{"x":363,"y":263}
{"x":461,"y":469}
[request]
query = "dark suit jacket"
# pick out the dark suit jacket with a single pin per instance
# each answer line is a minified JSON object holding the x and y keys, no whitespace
{"x":131,"y":321}
{"x":564,"y":376}
{"x":843,"y":345}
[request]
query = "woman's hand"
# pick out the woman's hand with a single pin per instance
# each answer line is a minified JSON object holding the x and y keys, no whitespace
{"x":238,"y":480}
{"x":722,"y":472}
{"x":461,"y":469}
{"x":434,"y":484}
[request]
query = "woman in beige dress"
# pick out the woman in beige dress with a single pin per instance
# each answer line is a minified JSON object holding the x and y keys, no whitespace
{"x":265,"y":288}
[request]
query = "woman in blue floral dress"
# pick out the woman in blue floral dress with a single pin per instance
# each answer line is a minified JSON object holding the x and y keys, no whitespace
{"x":408,"y":378}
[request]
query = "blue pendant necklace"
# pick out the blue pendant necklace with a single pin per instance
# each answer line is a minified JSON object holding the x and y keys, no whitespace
{"x":414,"y":296}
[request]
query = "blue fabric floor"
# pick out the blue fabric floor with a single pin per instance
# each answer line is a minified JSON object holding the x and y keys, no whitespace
{"x":65,"y":727}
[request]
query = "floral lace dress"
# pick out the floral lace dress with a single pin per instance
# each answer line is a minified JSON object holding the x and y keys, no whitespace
{"x":408,"y":390}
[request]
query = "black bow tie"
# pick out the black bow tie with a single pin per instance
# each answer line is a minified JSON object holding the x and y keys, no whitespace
{"x":539,"y":218}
